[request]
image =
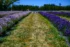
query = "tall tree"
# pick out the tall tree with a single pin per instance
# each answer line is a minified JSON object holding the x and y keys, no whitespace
{"x":4,"y":4}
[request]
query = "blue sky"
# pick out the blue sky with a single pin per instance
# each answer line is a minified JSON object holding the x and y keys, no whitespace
{"x":42,"y":2}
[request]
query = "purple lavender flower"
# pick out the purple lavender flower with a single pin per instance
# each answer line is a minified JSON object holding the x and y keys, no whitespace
{"x":67,"y":32}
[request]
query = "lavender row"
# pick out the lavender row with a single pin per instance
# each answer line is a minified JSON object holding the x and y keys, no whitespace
{"x":67,"y":14}
{"x":4,"y":13}
{"x":61,"y":24}
{"x":7,"y":21}
{"x":8,"y":12}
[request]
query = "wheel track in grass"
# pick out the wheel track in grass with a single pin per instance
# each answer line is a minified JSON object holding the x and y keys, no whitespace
{"x":34,"y":31}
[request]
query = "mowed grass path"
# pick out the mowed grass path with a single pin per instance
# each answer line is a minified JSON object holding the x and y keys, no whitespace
{"x":34,"y":31}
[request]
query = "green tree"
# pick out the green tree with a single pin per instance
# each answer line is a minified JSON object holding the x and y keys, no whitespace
{"x":5,"y":4}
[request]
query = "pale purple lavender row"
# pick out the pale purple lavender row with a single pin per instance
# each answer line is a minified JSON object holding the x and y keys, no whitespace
{"x":61,"y":13}
{"x":61,"y":24}
{"x":8,"y":12}
{"x":7,"y":21}
{"x":4,"y":13}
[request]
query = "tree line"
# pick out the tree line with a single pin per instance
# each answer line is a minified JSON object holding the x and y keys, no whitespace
{"x":7,"y":5}
{"x":45,"y":7}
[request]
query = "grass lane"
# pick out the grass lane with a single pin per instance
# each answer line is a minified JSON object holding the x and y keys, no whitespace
{"x":34,"y":31}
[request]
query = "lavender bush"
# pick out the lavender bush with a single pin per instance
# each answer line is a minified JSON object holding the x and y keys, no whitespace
{"x":66,"y":14}
{"x":5,"y":13}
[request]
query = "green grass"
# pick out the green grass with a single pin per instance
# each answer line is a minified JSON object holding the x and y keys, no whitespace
{"x":34,"y":31}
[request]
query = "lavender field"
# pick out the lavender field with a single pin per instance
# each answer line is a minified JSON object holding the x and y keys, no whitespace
{"x":34,"y":23}
{"x":34,"y":29}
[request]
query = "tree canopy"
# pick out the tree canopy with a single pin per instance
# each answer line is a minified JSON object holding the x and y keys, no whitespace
{"x":5,"y":4}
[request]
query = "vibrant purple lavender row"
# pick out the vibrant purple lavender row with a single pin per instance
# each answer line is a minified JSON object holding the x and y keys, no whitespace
{"x":61,"y":13}
{"x":61,"y":24}
{"x":9,"y":20}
